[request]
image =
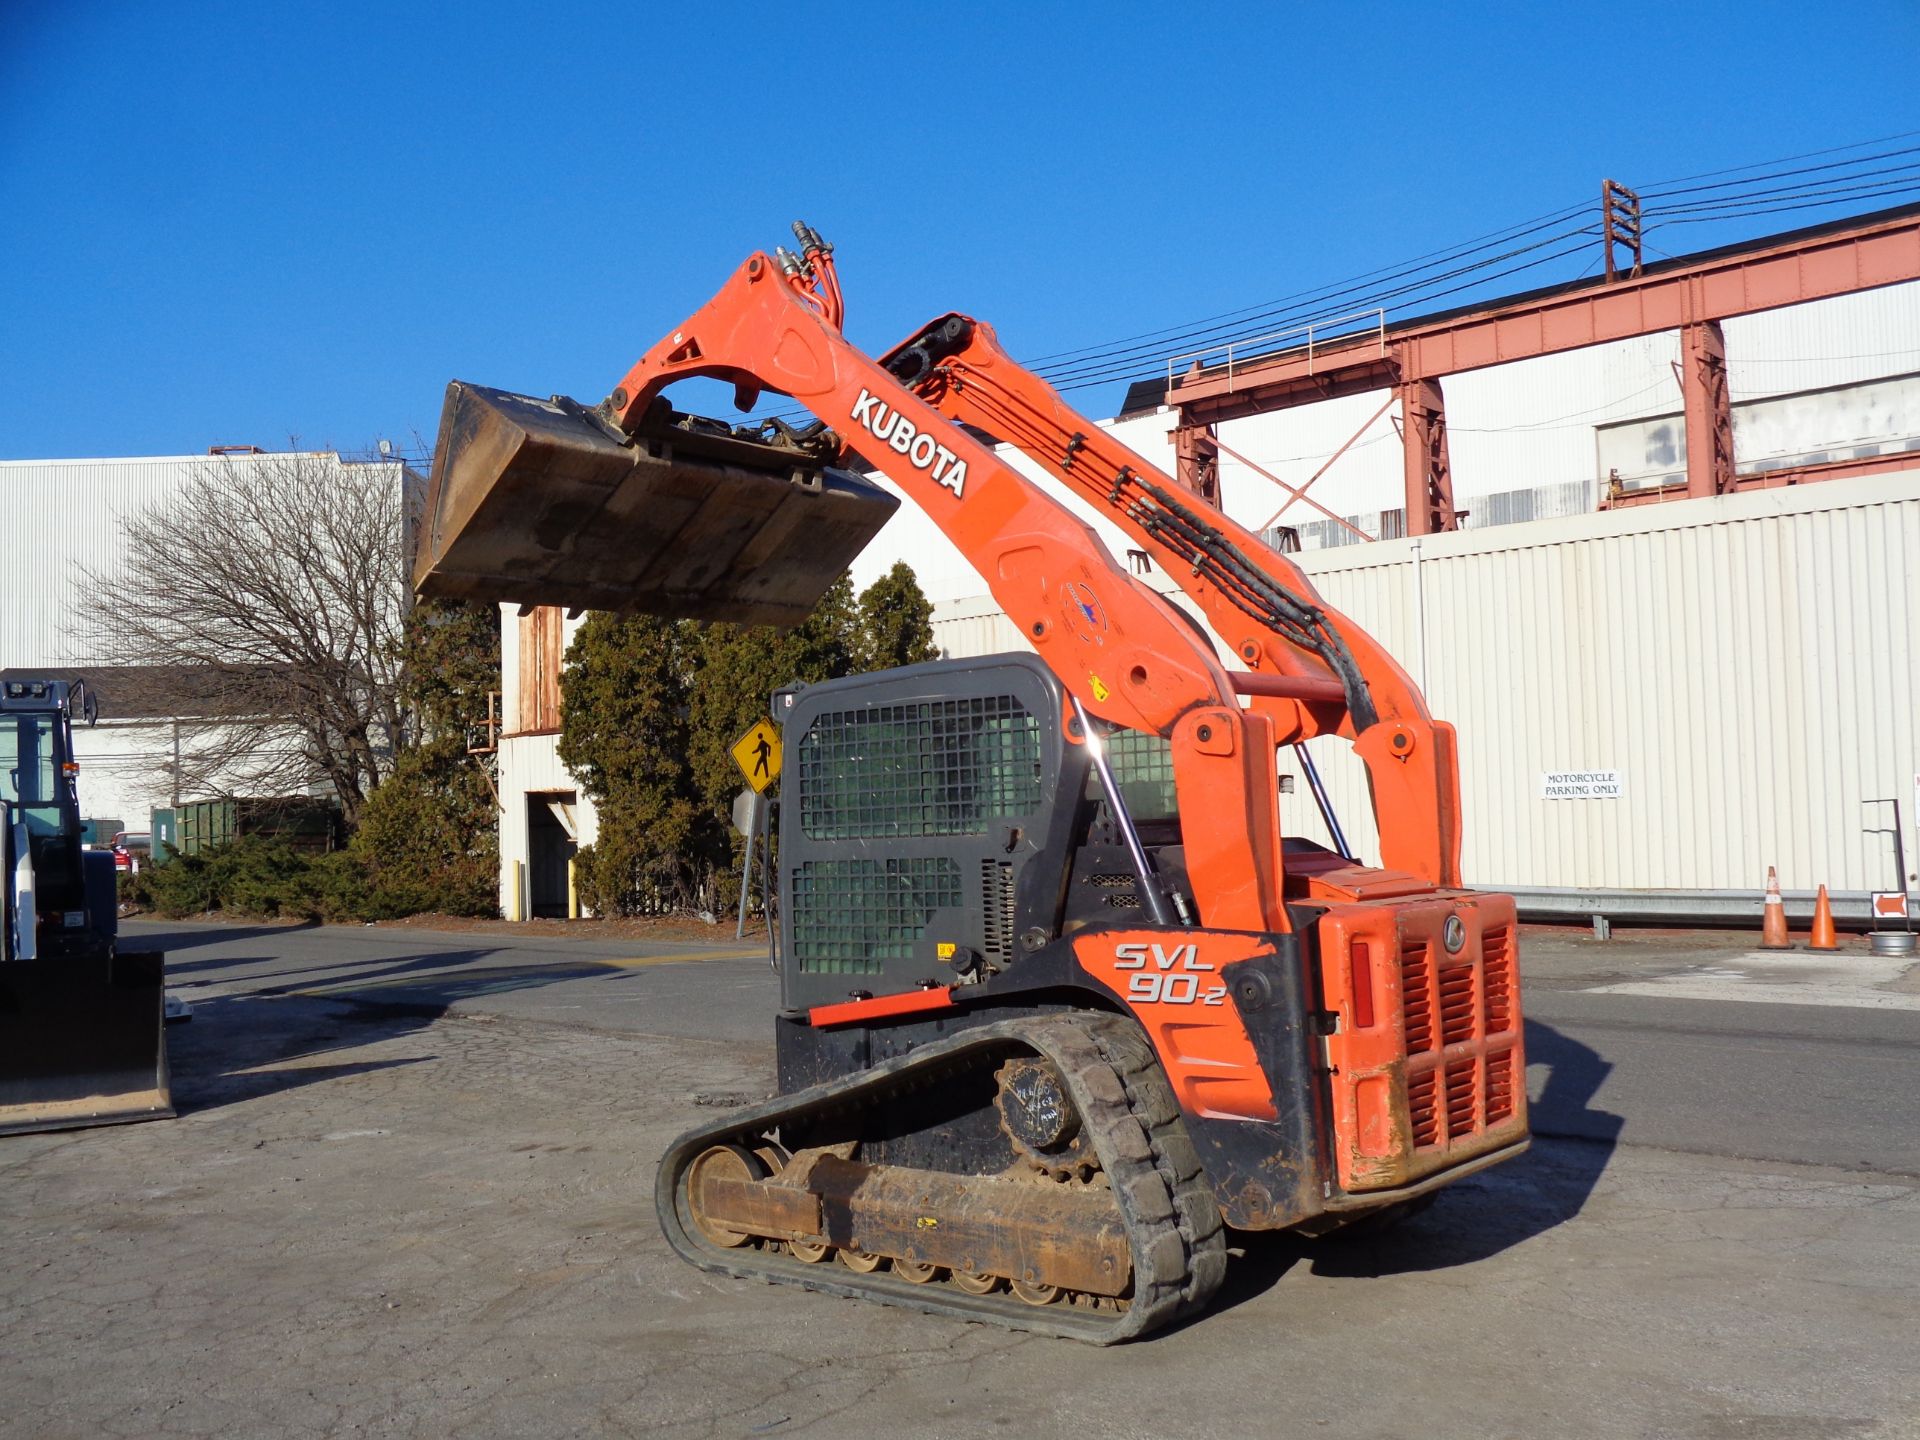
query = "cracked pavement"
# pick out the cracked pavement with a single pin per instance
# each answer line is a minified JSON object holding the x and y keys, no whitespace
{"x":429,"y":1213}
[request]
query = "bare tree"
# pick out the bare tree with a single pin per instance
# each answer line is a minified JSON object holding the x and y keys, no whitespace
{"x":275,"y":587}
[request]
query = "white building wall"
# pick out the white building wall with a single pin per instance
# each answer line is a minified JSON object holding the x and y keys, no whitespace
{"x":1510,"y":427}
{"x":1747,"y":662}
{"x":529,"y":765}
{"x":64,"y":517}
{"x":68,"y":512}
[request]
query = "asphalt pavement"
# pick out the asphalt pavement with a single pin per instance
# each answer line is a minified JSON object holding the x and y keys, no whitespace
{"x":410,"y":1193}
{"x":1650,"y":1041}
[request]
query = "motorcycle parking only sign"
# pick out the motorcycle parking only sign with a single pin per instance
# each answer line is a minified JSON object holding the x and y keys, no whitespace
{"x":1582,"y":784}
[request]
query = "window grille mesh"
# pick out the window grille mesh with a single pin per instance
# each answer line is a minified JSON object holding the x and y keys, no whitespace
{"x":1143,"y":766}
{"x":933,"y":767}
{"x":850,"y":916}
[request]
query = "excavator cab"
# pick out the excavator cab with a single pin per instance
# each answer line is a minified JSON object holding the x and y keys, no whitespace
{"x":81,"y":1019}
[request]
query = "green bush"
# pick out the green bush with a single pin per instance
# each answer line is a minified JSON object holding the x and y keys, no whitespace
{"x":251,"y":876}
{"x":650,"y":708}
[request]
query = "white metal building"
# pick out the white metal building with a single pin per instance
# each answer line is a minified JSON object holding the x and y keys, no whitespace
{"x":1745,"y":663}
{"x":69,"y":512}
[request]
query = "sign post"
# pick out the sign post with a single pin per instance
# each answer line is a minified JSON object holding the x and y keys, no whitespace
{"x":747,"y":806}
{"x":1884,"y":902}
{"x":757,"y":753}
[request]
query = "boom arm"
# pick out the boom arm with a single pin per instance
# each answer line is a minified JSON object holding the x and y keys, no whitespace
{"x":1256,"y":600}
{"x":1117,"y":646}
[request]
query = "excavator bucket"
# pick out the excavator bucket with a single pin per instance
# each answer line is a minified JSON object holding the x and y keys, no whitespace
{"x":541,"y":502}
{"x":82,"y":1041}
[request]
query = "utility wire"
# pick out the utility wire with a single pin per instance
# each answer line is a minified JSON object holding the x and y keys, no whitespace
{"x":1780,"y":160}
{"x":1385,"y":272}
{"x":1370,"y":299}
{"x":1395,"y":289}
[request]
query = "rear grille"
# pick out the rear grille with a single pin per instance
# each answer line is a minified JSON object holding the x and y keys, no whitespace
{"x":1452,"y":1005}
{"x":1416,"y":995}
{"x":1497,"y":967}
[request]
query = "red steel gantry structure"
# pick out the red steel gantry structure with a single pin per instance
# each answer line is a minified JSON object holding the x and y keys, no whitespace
{"x":1692,"y":294}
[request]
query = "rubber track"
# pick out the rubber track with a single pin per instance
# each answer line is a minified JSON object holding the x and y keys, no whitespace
{"x":1170,"y":1214}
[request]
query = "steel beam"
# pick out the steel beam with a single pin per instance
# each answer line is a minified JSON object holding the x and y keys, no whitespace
{"x":1898,"y":460}
{"x":1693,"y":290}
{"x":1429,"y":473}
{"x":1703,"y":386}
{"x":1197,"y":461}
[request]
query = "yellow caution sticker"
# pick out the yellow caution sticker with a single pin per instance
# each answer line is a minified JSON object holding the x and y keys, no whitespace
{"x":945,"y":949}
{"x":1100,"y":690}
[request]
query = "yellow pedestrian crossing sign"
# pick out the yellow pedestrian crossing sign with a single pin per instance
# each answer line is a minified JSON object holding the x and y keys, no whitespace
{"x":757,"y":753}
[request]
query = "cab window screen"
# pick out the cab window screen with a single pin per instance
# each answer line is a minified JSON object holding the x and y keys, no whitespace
{"x":1143,"y":766}
{"x":931,"y":767}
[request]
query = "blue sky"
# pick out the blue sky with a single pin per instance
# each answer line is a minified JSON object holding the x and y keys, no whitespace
{"x":225,"y":223}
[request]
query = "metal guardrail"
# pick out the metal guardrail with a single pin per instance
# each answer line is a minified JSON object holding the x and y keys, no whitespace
{"x":1705,"y":907}
{"x":1315,"y":331}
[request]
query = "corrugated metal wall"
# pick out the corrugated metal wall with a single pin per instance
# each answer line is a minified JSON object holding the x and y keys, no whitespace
{"x":1747,"y":663}
{"x":71,"y":512}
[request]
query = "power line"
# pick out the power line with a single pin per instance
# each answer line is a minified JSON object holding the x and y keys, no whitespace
{"x":1399,"y":287}
{"x":1392,"y":271}
{"x":1780,"y":160}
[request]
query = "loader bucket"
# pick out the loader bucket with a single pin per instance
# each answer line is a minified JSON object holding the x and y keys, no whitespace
{"x":540,"y":502}
{"x":82,"y":1042}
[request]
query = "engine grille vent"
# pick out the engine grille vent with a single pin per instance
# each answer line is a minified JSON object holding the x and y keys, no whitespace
{"x":1463,"y":1095}
{"x":1425,"y":1111}
{"x":1499,"y":1086}
{"x":1497,"y":970}
{"x":996,"y":909}
{"x":1456,"y":1003}
{"x":1416,"y":995}
{"x":1459,"y":1015}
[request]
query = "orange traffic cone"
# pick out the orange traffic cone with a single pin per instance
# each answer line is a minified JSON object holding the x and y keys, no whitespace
{"x":1823,"y":937}
{"x":1773,"y":929}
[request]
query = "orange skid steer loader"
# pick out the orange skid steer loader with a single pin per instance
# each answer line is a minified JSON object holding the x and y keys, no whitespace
{"x":1061,"y":1000}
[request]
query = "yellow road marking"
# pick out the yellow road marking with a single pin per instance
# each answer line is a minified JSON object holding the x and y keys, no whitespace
{"x":431,"y":977}
{"x":640,"y":960}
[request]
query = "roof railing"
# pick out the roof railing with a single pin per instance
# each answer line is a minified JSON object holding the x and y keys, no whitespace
{"x":1262,"y":346}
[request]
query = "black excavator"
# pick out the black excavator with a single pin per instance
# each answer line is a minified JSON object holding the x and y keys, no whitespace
{"x":82,"y":1016}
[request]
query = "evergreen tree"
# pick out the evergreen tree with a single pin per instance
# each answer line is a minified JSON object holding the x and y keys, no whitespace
{"x":896,"y":622}
{"x":624,"y":732}
{"x":429,"y":834}
{"x":740,"y":666}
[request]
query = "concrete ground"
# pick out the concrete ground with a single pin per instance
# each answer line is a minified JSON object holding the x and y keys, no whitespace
{"x":410,"y":1193}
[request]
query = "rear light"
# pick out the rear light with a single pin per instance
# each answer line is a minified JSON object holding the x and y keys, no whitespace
{"x":1360,"y":962}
